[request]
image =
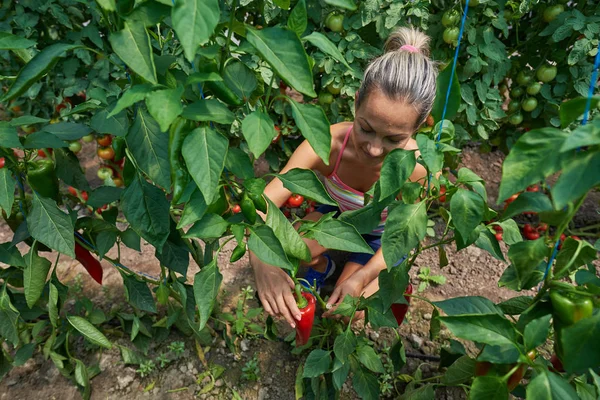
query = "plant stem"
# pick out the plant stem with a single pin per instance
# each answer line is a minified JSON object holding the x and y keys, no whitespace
{"x":229,"y":33}
{"x":270,"y":87}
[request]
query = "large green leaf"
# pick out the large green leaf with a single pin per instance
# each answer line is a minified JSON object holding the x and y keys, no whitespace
{"x":536,"y":332}
{"x":584,"y":135}
{"x":9,"y":316}
{"x":288,"y":236}
{"x":572,"y":255}
{"x":11,"y":255}
{"x":240,"y":79}
{"x":431,"y":154}
{"x":453,"y":101}
{"x":9,"y":136}
{"x":149,"y":145}
{"x":367,"y":357}
{"x":467,"y":209}
{"x":321,"y":41}
{"x":488,"y":388}
{"x":405,"y":227}
{"x":117,"y":124}
{"x":36,"y":68}
{"x":8,"y":41}
{"x":572,"y":109}
{"x":491,"y":329}
{"x":267,"y":247}
{"x":147,"y":210}
{"x":528,"y":202}
{"x":68,"y":169}
{"x":259,"y":131}
{"x":576,"y":179}
{"x":43,"y":139}
{"x":298,"y":19}
{"x":534,"y":157}
{"x":580,"y":344}
{"x":211,"y":226}
{"x":550,"y":386}
{"x":210,"y":110}
{"x":397,"y":167}
{"x":306,"y":183}
{"x":138,"y":293}
{"x":132,"y":45}
{"x":283,"y":50}
{"x":131,"y":96}
{"x":488,"y":242}
{"x":175,"y":254}
{"x":344,"y":345}
{"x":48,"y":224}
{"x":313,"y":124}
{"x":338,"y":235}
{"x":67,"y":130}
{"x":317,"y":363}
{"x":206,"y":289}
{"x":7,"y":190}
{"x":165,"y":105}
{"x":194,"y":209}
{"x":468,"y":305}
{"x":194,"y":22}
{"x":89,"y":331}
{"x":365,"y":383}
{"x":392,"y":285}
{"x":461,"y":371}
{"x":528,"y":258}
{"x":34,"y":276}
{"x":204,"y":151}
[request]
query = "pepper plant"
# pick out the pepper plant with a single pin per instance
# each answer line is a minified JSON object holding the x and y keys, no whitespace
{"x":182,"y":97}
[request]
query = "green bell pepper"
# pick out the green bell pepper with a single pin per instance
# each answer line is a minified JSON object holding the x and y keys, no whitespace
{"x":42,"y":178}
{"x":570,"y":308}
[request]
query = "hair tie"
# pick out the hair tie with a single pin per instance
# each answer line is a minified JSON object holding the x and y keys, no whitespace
{"x":409,"y":48}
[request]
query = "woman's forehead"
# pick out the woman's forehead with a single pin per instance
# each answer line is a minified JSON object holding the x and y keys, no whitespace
{"x":380,"y":109}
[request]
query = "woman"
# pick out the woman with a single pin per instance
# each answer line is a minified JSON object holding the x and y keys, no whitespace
{"x":394,"y":99}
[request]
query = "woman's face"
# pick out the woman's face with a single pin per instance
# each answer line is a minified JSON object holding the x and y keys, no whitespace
{"x":382,"y":125}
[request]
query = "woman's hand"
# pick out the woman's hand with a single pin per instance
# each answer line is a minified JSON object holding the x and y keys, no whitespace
{"x":353,"y":286}
{"x":274,"y":288}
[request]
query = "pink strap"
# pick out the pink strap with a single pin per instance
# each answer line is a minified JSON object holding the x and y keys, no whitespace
{"x":339,"y":158}
{"x":409,"y":48}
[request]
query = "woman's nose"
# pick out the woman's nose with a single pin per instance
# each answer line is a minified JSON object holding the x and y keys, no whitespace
{"x":375,"y":149}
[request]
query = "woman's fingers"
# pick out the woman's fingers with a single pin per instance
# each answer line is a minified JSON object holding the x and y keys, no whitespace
{"x":285,"y":312}
{"x":290,"y":300}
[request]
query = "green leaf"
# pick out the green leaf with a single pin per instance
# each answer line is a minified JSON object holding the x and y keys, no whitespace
{"x":584,"y":135}
{"x":468,"y":305}
{"x":149,"y":145}
{"x":117,"y":125}
{"x":452,"y":103}
{"x":392,"y":285}
{"x":572,"y":109}
{"x":239,"y":163}
{"x":27,"y":120}
{"x":42,"y":139}
{"x":550,"y":386}
{"x":34,"y":276}
{"x":397,"y":167}
{"x":210,"y":110}
{"x":527,"y":260}
{"x":461,"y":371}
{"x":206,"y":289}
{"x":345,"y":4}
{"x":11,"y":255}
{"x":491,"y":329}
{"x":8,"y":41}
{"x":344,"y":345}
{"x":365,"y":384}
{"x":313,"y":124}
{"x":367,"y":357}
{"x":36,"y":68}
{"x":426,"y":392}
{"x":147,"y":210}
{"x":194,"y":209}
{"x":516,"y":305}
{"x":89,"y":331}
{"x":175,"y":254}
{"x":104,"y":195}
{"x":321,"y":41}
{"x":24,"y":354}
{"x":50,"y":226}
{"x":306,"y":183}
{"x":317,"y":363}
{"x":9,"y":136}
{"x":211,"y":226}
{"x":528,"y":202}
{"x":131,"y":96}
{"x":487,"y":241}
{"x":582,"y":338}
{"x":406,"y":226}
{"x":67,"y":130}
{"x":488,"y":388}
{"x":298,"y":19}
{"x":465,"y":175}
{"x":132,"y":45}
{"x":536,"y":332}
{"x":68,"y":169}
{"x":433,"y":157}
{"x":267,"y":248}
{"x":53,"y":305}
{"x":579,"y":251}
{"x":575,"y":180}
{"x":338,"y":235}
{"x":194,"y":22}
{"x":7,"y":190}
{"x":466,"y":208}
{"x":340,"y":373}
{"x":204,"y":151}
{"x":9,"y":316}
{"x":533,"y":158}
{"x":258,"y":130}
{"x":511,"y":232}
{"x":138,"y":293}
{"x":288,"y":236}
{"x":165,"y":105}
{"x":365,"y":219}
{"x":284,"y":51}
{"x":240,"y":79}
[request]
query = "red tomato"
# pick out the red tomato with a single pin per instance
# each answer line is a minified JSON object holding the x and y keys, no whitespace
{"x":106,"y":153}
{"x":511,"y":198}
{"x":44,"y":152}
{"x":532,"y":236}
{"x":118,"y":182}
{"x":104,"y":140}
{"x":287,"y":213}
{"x":499,"y":236}
{"x":575,"y":237}
{"x":528,"y":229}
{"x":543,"y":227}
{"x":2,"y":162}
{"x":556,"y":363}
{"x":497,"y":228}
{"x":309,"y":209}
{"x":63,"y":105}
{"x":236,"y":209}
{"x":295,"y":200}
{"x":442,"y":194}
{"x":276,"y":138}
{"x":73,"y":191}
{"x":84,"y":195}
{"x":533,"y":188}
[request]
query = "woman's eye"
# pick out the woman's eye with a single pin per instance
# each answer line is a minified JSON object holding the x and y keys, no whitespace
{"x":365,"y":130}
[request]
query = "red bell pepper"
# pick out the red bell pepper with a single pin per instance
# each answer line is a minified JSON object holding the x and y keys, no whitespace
{"x":89,"y":262}
{"x":399,"y":310}
{"x":307,"y":305}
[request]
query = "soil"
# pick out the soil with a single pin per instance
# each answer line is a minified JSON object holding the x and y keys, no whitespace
{"x":471,"y":272}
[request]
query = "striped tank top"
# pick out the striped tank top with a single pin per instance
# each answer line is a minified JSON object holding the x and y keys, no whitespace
{"x":348,"y":198}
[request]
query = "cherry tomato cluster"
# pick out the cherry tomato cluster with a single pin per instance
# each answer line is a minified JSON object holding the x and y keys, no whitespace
{"x":296,"y":201}
{"x":563,"y":237}
{"x":81,"y":195}
{"x":499,"y":232}
{"x":531,"y":232}
{"x":113,"y":168}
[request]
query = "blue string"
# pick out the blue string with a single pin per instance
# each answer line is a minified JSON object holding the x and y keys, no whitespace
{"x":585,"y":120}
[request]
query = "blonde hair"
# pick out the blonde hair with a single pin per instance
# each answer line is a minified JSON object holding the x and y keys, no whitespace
{"x":404,"y":73}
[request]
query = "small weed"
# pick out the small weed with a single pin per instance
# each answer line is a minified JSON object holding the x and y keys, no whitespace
{"x":177,"y":348}
{"x":251,"y":370}
{"x":163,"y":360}
{"x":146,"y":368}
{"x":427,"y":279}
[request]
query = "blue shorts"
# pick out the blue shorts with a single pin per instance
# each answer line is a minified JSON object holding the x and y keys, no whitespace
{"x":374,"y":241}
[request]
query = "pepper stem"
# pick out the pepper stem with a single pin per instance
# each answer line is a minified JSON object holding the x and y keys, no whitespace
{"x":300,"y":300}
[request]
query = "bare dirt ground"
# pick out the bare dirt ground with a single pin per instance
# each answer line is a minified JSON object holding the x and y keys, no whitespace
{"x":471,"y":272}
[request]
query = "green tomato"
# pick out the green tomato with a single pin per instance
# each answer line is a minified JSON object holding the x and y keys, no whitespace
{"x":335,"y":22}
{"x":450,"y":18}
{"x":325,"y":98}
{"x":75,"y":146}
{"x":104,"y":173}
{"x":529,"y":104}
{"x":451,"y":35}
{"x":516,"y":92}
{"x":513,"y":106}
{"x":515,"y":119}
{"x":546,"y":73}
{"x":523,"y":78}
{"x":334,"y":89}
{"x":508,"y":14}
{"x":552,"y":12}
{"x":534,"y":88}
{"x":88,"y":138}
